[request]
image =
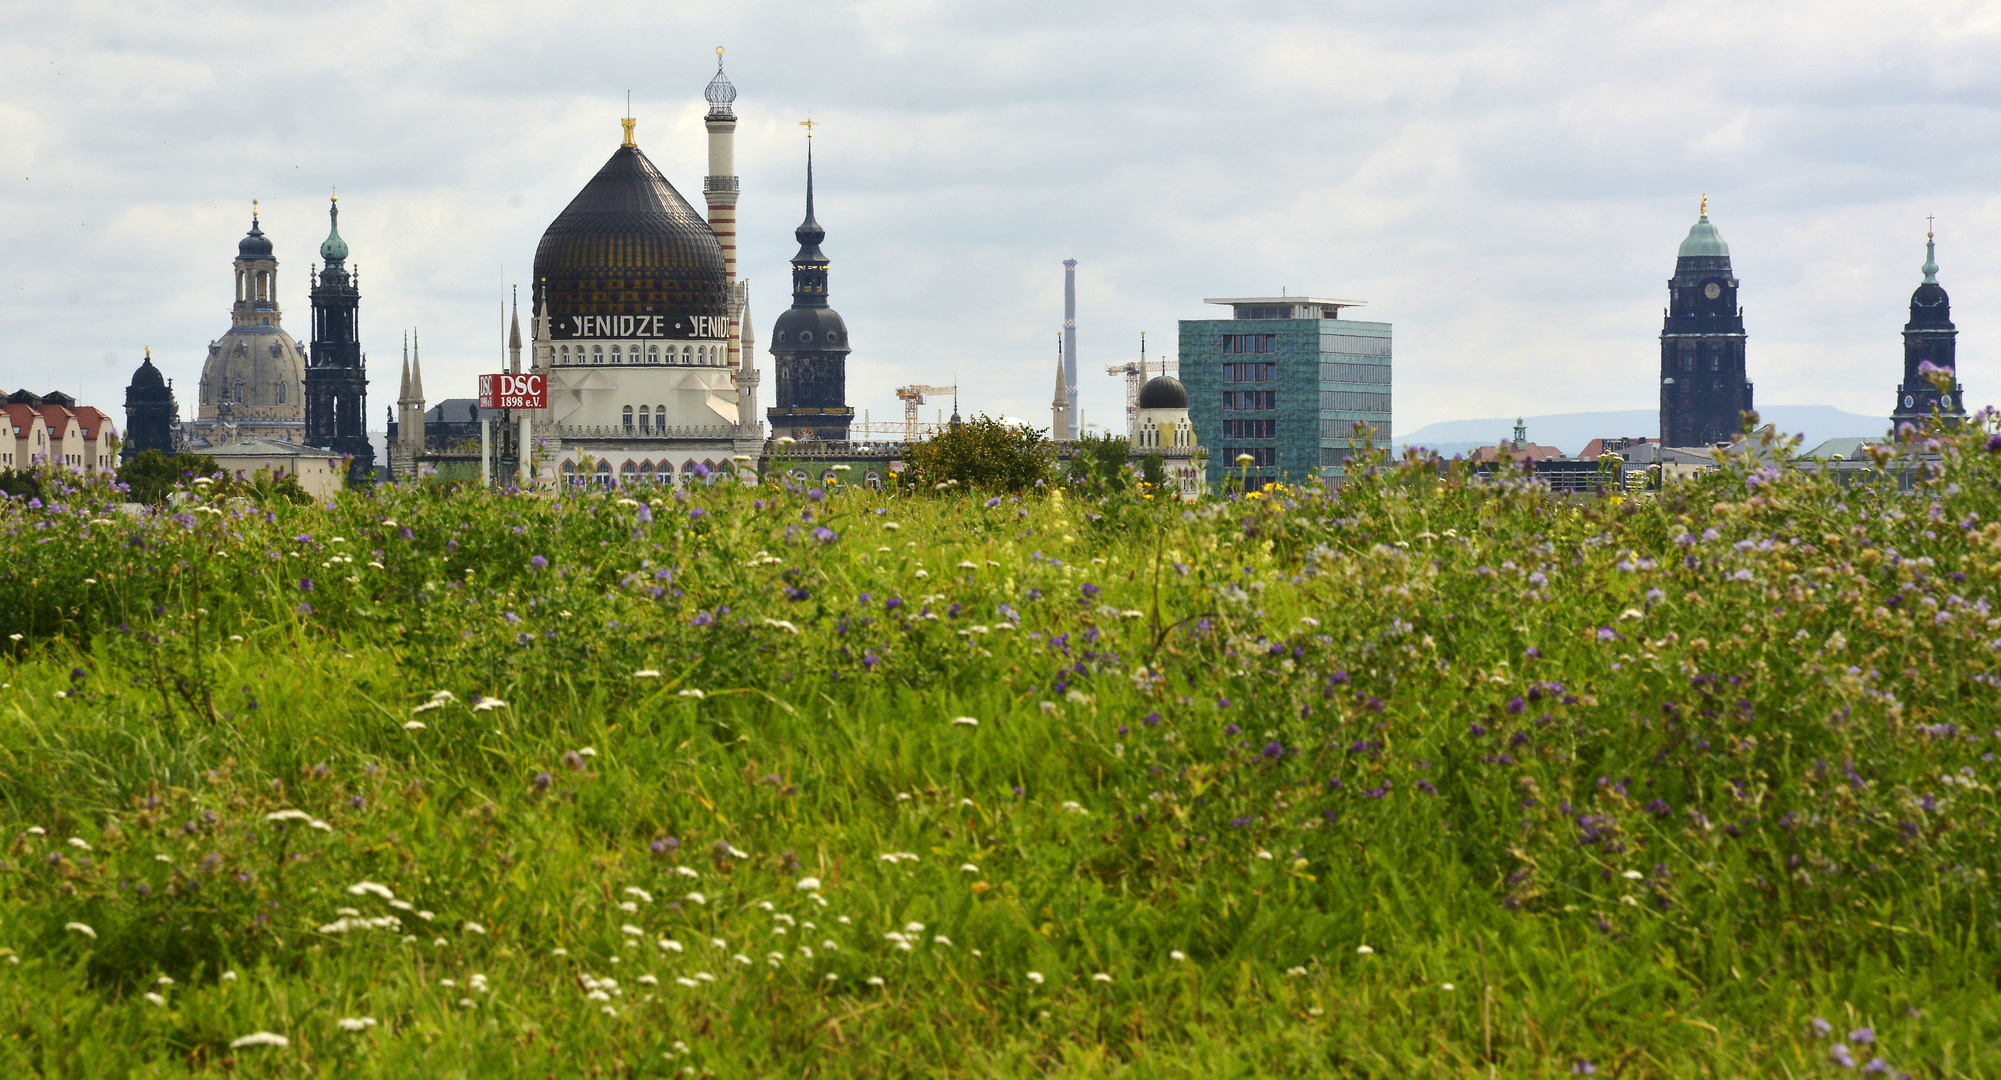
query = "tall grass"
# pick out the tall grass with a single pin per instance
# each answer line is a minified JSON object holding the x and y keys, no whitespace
{"x":1425,"y":777}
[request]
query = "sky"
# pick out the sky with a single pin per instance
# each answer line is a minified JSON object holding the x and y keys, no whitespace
{"x":1506,"y":184}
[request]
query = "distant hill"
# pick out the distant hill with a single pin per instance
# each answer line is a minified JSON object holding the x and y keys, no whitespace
{"x":1570,"y":431}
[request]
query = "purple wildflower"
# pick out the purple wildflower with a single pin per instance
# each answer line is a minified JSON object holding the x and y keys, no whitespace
{"x":538,"y":563}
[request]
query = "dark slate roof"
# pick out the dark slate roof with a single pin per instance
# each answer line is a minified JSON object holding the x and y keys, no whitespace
{"x":630,"y":244}
{"x":1163,"y":392}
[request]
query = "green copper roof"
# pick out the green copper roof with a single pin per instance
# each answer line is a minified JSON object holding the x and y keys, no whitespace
{"x":1704,"y":241}
{"x":335,"y":249}
{"x":1930,"y":267}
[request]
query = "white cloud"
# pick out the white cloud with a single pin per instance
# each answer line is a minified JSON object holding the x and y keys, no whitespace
{"x":1505,"y":183}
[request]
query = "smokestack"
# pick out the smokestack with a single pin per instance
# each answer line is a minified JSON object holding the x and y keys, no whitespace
{"x":1070,"y":341}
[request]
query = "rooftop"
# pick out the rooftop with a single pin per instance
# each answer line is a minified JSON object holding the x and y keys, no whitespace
{"x":1276,"y":307}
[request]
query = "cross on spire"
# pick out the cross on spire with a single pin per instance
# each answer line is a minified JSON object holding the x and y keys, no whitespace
{"x":808,"y":125}
{"x":1928,"y":226}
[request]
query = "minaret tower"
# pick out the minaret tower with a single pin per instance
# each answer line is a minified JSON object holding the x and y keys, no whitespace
{"x":336,"y":370}
{"x":720,"y":189}
{"x":1929,"y":338}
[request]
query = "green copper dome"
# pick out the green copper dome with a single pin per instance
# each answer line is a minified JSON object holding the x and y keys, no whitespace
{"x":1704,"y":241}
{"x":334,"y":249}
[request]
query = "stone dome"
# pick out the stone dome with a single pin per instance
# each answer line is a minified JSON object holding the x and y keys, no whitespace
{"x":1163,"y":392}
{"x":147,"y":377}
{"x":254,"y":245}
{"x":804,"y":329}
{"x":1704,"y":242}
{"x":629,"y":244}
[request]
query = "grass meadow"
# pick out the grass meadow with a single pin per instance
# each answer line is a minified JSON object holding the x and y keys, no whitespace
{"x":1424,"y":777}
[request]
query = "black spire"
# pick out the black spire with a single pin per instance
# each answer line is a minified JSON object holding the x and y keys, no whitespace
{"x":809,"y":266}
{"x":1930,"y":342}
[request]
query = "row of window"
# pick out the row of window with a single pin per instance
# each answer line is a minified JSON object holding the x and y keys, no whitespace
{"x":624,"y":354}
{"x":1353,"y":401}
{"x":1715,"y":359}
{"x":1249,"y":400}
{"x":1250,"y":372}
{"x":1250,"y":429}
{"x":1370,"y":374}
{"x":646,"y":416}
{"x":1250,"y":343}
{"x":1262,"y":457}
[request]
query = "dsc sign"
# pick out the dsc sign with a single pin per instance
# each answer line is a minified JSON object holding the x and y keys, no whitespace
{"x":514,"y":391}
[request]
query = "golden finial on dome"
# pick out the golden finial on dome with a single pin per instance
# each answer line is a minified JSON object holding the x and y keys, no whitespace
{"x":253,"y":208}
{"x":719,"y":52}
{"x":1705,"y":205}
{"x":335,"y":188}
{"x":628,"y":123}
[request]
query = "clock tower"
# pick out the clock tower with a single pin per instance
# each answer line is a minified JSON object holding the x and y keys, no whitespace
{"x":1931,"y":340}
{"x":1703,"y":384}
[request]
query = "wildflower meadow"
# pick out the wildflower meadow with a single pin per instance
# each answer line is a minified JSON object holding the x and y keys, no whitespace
{"x":1430,"y":775}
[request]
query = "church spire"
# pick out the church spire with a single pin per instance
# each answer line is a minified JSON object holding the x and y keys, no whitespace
{"x":1930,"y":267}
{"x":809,"y":266}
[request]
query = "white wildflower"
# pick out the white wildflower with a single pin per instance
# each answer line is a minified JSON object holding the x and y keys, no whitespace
{"x":782,"y":625}
{"x":875,"y":980}
{"x":1035,"y":977}
{"x":690,"y":983}
{"x":288,"y":815}
{"x":940,"y":939}
{"x":1177,"y":956}
{"x":740,"y":958}
{"x":705,"y":976}
{"x":969,"y":868}
{"x":1263,"y":854}
{"x":1364,"y":950}
{"x":36,"y":830}
{"x":1447,"y":986}
{"x":489,"y":704}
{"x":362,"y":888}
{"x":155,"y":998}
{"x":427,"y":707}
{"x":687,"y":871}
{"x":355,"y":1023}
{"x":669,"y":945}
{"x":634,"y":890}
{"x":913,"y":928}
{"x":693,"y":693}
{"x":474,"y":928}
{"x":81,"y":929}
{"x":965,"y":721}
{"x":649,"y":980}
{"x":79,"y":842}
{"x":1101,"y":977}
{"x":1632,"y":875}
{"x":1295,"y":971}
{"x":413,"y":725}
{"x":229,"y":976}
{"x":807,"y":884}
{"x":259,"y":1038}
{"x":646,"y":673}
{"x":696,"y":898}
{"x":444,"y":695}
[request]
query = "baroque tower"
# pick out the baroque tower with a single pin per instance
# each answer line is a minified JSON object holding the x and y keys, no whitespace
{"x":810,"y":342}
{"x":336,"y":370}
{"x":1929,"y":339}
{"x":1703,"y":384}
{"x":151,"y":413}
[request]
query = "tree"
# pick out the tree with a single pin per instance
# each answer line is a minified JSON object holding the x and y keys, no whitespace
{"x":1099,"y":463}
{"x":1153,"y":470}
{"x":152,"y":475}
{"x":984,"y":454}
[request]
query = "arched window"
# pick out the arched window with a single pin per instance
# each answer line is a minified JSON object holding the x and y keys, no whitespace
{"x":281,"y":391}
{"x":627,"y":473}
{"x":614,"y":354}
{"x":687,"y":354}
{"x":627,"y":415}
{"x":645,"y":420}
{"x":564,"y":355}
{"x":604,"y":474}
{"x":597,"y":354}
{"x":1715,"y":357}
{"x":1687,"y":362}
{"x":646,"y":471}
{"x":653,"y":354}
{"x":570,"y":473}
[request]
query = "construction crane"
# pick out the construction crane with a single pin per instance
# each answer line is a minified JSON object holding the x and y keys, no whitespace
{"x":1135,"y":374}
{"x":912,"y":397}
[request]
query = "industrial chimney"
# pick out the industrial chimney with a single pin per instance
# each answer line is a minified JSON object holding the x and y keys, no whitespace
{"x":1070,"y":342}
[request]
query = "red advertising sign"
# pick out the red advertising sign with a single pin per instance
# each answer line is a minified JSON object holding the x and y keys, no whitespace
{"x":514,"y":391}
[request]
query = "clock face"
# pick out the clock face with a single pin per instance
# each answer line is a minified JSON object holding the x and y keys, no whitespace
{"x":1945,"y":401}
{"x":1712,"y":290}
{"x":1909,"y":401}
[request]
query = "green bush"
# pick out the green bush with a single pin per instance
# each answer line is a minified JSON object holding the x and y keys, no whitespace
{"x":982,"y":454}
{"x":1101,"y":464}
{"x":150,"y":476}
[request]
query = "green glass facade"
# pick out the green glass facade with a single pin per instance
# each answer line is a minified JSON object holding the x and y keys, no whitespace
{"x":1286,"y":391}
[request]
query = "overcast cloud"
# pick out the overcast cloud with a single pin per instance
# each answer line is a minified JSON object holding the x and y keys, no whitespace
{"x":1505,"y":183}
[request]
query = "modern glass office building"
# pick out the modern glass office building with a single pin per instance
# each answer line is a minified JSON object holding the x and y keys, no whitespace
{"x":1285,"y":379}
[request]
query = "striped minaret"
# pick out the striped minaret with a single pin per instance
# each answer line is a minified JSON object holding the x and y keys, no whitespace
{"x":720,"y":188}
